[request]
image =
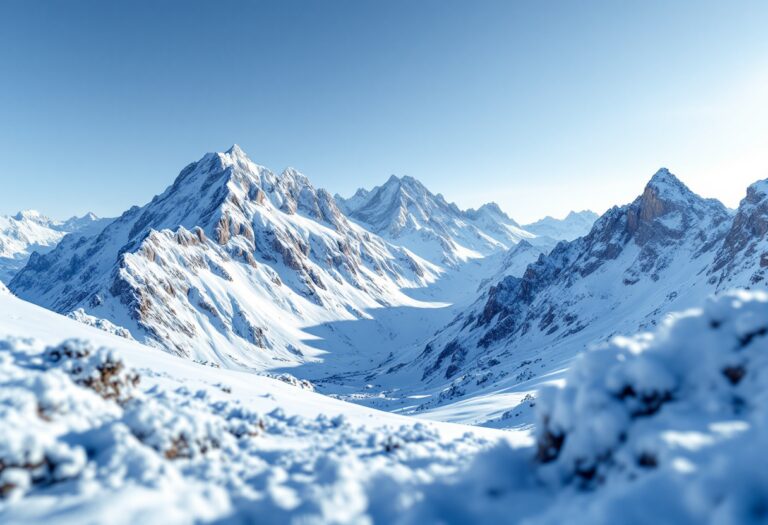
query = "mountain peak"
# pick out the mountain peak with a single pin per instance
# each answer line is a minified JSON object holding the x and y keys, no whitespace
{"x":667,"y":186}
{"x":489,"y":209}
{"x":668,"y":205}
{"x":663,"y":174}
{"x":576,"y":224}
{"x":757,"y":190}
{"x":583,"y":214}
{"x":236,"y":150}
{"x":31,"y":215}
{"x":404,"y":180}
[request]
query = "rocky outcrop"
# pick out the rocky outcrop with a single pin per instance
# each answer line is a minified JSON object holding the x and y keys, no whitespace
{"x":744,"y":252}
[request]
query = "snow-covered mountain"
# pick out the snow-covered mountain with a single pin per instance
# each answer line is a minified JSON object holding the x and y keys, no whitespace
{"x":575,"y":224}
{"x":405,"y":212}
{"x":30,"y":231}
{"x":229,"y":265}
{"x":663,"y":252}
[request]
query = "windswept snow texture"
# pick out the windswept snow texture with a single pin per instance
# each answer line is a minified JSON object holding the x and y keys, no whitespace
{"x":664,"y":426}
{"x":576,"y":224}
{"x":408,"y":214}
{"x":30,"y":231}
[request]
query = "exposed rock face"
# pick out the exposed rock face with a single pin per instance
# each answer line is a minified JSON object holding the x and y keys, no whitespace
{"x":744,"y":253}
{"x":229,"y":256}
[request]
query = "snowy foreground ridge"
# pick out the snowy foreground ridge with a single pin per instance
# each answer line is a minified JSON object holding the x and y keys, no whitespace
{"x":668,"y":426}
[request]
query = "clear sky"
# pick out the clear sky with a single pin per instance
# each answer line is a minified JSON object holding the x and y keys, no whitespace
{"x":541,"y":106}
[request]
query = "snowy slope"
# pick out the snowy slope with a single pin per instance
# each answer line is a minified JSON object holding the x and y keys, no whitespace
{"x":103,"y":430}
{"x":230,"y":265}
{"x":574,"y":225}
{"x":29,"y":231}
{"x":132,"y":434}
{"x":405,"y":212}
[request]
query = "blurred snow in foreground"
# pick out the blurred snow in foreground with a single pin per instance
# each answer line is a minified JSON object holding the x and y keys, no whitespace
{"x":665,"y":427}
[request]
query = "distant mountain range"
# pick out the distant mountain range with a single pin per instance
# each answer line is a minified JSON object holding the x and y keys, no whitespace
{"x":30,"y":231}
{"x":405,"y":212}
{"x":575,"y":224}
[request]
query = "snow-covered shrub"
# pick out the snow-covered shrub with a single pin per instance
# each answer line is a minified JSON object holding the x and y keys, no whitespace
{"x":176,"y":429}
{"x":241,"y":422}
{"x":623,"y":404}
{"x":100,"y":370}
{"x":36,"y":407}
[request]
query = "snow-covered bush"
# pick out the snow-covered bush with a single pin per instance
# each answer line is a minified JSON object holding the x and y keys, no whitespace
{"x":623,"y":403}
{"x":36,"y":407}
{"x":175,"y":429}
{"x":100,"y":370}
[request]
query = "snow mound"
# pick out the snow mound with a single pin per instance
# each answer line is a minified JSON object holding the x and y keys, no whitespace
{"x":683,"y":410}
{"x":677,"y":417}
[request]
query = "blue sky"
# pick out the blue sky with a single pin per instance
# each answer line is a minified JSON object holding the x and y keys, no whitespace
{"x":541,"y":106}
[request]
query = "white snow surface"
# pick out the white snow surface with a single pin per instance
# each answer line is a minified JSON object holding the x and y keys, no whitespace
{"x":100,"y":429}
{"x":189,"y":442}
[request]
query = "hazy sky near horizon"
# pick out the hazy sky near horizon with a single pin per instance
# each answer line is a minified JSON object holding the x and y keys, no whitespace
{"x":542,"y":107}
